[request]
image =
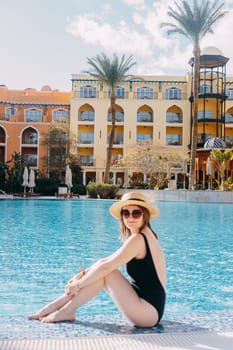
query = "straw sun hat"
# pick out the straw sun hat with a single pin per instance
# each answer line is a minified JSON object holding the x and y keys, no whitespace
{"x":133,"y":198}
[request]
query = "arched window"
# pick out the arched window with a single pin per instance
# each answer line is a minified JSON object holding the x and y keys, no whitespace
{"x":30,"y":137}
{"x":60,"y":115}
{"x":174,"y":115}
{"x":87,"y":91}
{"x":173,"y":93}
{"x":2,"y":135}
{"x":145,"y":93}
{"x":2,"y":145}
{"x":33,"y":115}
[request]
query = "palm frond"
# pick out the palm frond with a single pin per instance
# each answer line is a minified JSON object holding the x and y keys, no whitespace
{"x":196,"y":21}
{"x":109,"y":70}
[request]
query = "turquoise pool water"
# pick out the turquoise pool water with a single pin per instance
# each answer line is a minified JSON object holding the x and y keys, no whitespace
{"x":44,"y":242}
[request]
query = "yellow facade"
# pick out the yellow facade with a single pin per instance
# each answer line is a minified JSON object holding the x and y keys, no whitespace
{"x":150,"y":108}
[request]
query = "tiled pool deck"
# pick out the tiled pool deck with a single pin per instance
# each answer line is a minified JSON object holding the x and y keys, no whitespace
{"x":114,"y":332}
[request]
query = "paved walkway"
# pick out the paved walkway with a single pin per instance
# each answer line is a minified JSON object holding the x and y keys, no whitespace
{"x":184,"y":341}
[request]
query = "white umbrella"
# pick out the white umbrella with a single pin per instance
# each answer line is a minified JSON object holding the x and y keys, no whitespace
{"x":208,"y":167}
{"x":208,"y":170}
{"x":68,"y":178}
{"x":25,"y":179}
{"x":31,"y":183}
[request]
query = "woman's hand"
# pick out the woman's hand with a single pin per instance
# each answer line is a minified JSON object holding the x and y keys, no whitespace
{"x":72,"y":289}
{"x":78,"y":276}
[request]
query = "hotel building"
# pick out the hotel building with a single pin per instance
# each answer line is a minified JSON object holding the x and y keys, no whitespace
{"x":154,"y":108}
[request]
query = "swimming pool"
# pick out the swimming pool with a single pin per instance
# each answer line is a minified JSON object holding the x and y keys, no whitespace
{"x":44,"y":242}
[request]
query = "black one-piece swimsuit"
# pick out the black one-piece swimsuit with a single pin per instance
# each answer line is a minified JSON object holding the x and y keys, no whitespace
{"x":145,"y":280}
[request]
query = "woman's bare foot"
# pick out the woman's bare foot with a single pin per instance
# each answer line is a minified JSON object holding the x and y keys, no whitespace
{"x":50,"y":308}
{"x":35,"y":316}
{"x":58,"y":316}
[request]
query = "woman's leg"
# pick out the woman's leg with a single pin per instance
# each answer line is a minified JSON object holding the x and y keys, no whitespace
{"x":137,"y":310}
{"x":67,"y":312}
{"x":51,"y":307}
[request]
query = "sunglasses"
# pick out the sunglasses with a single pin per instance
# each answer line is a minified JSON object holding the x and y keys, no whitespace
{"x":136,"y":213}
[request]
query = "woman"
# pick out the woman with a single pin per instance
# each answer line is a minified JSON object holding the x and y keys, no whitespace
{"x":141,"y":299}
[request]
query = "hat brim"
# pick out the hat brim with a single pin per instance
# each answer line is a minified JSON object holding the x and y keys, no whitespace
{"x":115,"y":209}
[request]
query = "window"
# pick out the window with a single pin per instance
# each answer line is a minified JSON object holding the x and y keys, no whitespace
{"x":31,"y":159}
{"x":144,"y":117}
{"x":87,"y":91}
{"x":30,"y":137}
{"x":229,"y":141}
{"x":173,"y":94}
{"x":229,"y":118}
{"x":87,"y":116}
{"x":10,"y":111}
{"x":118,"y":138}
{"x":2,"y":135}
{"x":173,"y":139}
{"x":229,"y":93}
{"x":205,"y":88}
{"x":205,"y":115}
{"x":203,"y":137}
{"x":87,"y":137}
{"x":144,"y":137}
{"x":172,"y":117}
{"x":119,"y":117}
{"x":119,"y":92}
{"x":145,"y":92}
{"x":86,"y":160}
{"x":60,"y":115}
{"x":33,"y":115}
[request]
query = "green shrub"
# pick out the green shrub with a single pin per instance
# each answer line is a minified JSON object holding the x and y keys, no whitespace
{"x":47,"y":187}
{"x":101,"y":190}
{"x":79,"y":189}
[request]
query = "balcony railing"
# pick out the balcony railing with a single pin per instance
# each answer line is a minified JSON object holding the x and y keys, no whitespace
{"x":173,"y":140}
{"x":172,"y":117}
{"x":144,"y":117}
{"x":87,"y":160}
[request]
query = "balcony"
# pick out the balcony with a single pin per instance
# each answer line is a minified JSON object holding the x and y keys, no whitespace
{"x":119,"y":117}
{"x":228,"y":118}
{"x":86,"y":138}
{"x":87,"y":160}
{"x":173,"y":140}
{"x":172,"y":117}
{"x":88,"y":116}
{"x":144,"y":117}
{"x":144,"y":137}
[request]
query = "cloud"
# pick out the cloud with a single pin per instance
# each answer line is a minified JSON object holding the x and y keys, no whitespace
{"x":141,"y":34}
{"x":96,"y":31}
{"x":140,"y":4}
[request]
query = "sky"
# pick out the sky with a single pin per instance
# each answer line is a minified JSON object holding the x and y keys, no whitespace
{"x":44,"y":42}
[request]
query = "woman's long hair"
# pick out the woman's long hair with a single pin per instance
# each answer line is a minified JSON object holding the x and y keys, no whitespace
{"x":125,"y":232}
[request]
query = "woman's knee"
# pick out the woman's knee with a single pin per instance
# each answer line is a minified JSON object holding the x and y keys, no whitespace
{"x":111,"y":278}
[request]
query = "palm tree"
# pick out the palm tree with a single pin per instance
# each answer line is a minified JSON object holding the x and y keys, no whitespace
{"x":110,"y":71}
{"x":194,"y":23}
{"x":221,"y":159}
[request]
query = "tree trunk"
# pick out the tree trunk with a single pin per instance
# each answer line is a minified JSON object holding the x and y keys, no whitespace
{"x":196,"y":53}
{"x":111,"y":138}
